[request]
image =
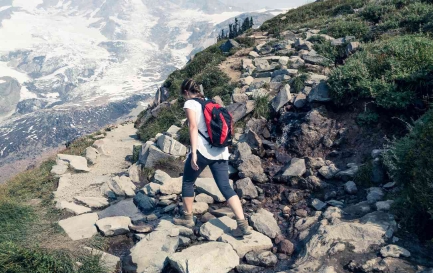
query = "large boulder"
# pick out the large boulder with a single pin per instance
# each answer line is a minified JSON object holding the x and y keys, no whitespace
{"x":264,"y":222}
{"x":319,"y":93}
{"x":80,"y":227}
{"x":153,"y":155}
{"x":214,"y":228}
{"x":282,"y":98}
{"x":249,"y":165}
{"x":240,"y":110}
{"x":113,"y":226}
{"x":123,"y":208}
{"x":209,"y":187}
{"x":150,"y":254}
{"x":213,"y":257}
{"x":296,"y":168}
{"x":171,"y":146}
{"x":265,"y":258}
{"x":172,"y":186}
{"x":121,"y":186}
{"x":77,"y":163}
{"x":246,"y":189}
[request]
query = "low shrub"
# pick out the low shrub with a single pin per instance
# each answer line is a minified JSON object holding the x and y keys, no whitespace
{"x":395,"y":73}
{"x":343,"y":28}
{"x":262,"y":107}
{"x":367,"y":118}
{"x":298,"y":83}
{"x":409,"y":162}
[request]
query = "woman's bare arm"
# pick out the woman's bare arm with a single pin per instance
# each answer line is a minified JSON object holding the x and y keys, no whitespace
{"x":193,"y":136}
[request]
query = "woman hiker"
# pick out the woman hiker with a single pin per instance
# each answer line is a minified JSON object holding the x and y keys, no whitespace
{"x":202,"y":155}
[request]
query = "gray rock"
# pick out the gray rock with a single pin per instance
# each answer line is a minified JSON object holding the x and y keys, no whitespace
{"x":150,"y":254}
{"x":264,"y":222}
{"x":378,"y":172}
{"x":214,"y":228}
{"x":93,"y":202}
{"x":240,"y":98}
{"x":92,"y":155}
{"x":77,"y":163}
{"x":160,"y":177}
{"x":123,"y":208}
{"x":389,"y":185}
{"x":113,"y":226}
{"x":301,"y":44}
{"x":80,"y":227}
{"x":394,"y":251}
{"x":200,"y":207}
{"x":145,"y":203}
{"x":282,"y":98}
{"x":72,"y":208}
{"x":246,"y":189}
{"x":202,"y":197}
{"x":152,"y":156}
{"x":247,"y":80}
{"x":319,"y":93}
{"x":316,"y":59}
{"x":253,"y":54}
{"x":171,"y":146}
{"x":260,"y":82}
{"x":238,"y":110}
{"x":209,"y":187}
{"x":350,"y":187}
{"x":300,"y":100}
{"x":134,"y":173}
{"x":151,"y":189}
{"x":254,"y":242}
{"x":384,"y":205}
{"x":173,"y":131}
{"x":296,"y":168}
{"x":59,"y":169}
{"x":222,"y":212}
{"x":348,"y":174}
{"x":336,"y":203}
{"x":317,"y":204}
{"x":329,"y":171}
{"x":172,"y":186}
{"x":265,"y":258}
{"x":351,"y":48}
{"x":374,"y":194}
{"x":248,"y":268}
{"x":121,"y":186}
{"x":359,"y":209}
{"x":209,"y":257}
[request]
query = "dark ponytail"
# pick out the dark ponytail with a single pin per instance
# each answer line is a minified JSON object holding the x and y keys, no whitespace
{"x":191,"y":86}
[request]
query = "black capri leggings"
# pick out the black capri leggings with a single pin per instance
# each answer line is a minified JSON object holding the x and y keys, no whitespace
{"x":220,"y":172}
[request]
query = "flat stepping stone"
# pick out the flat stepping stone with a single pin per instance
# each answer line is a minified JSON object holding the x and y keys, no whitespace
{"x":113,"y":226}
{"x":123,"y":208}
{"x":215,"y":257}
{"x":80,"y":227}
{"x":59,"y":169}
{"x":93,"y":202}
{"x":73,"y":208}
{"x":77,"y":163}
{"x":107,"y":260}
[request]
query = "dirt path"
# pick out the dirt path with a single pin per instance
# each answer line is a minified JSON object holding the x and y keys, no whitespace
{"x":118,"y":145}
{"x":232,"y":66}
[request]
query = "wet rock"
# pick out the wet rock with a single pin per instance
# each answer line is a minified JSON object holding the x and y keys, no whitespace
{"x":144,"y":203}
{"x":263,"y":221}
{"x":246,"y":189}
{"x":113,"y":226}
{"x":123,"y":208}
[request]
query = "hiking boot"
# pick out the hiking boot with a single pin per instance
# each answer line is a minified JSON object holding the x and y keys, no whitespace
{"x":186,"y":220}
{"x":242,"y":229}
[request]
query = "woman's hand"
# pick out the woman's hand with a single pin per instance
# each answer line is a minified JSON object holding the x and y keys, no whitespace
{"x":194,"y":162}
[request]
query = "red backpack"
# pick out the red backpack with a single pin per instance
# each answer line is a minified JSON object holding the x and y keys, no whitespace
{"x":219,"y":123}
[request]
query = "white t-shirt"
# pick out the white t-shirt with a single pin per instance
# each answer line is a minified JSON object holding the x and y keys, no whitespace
{"x":209,"y":152}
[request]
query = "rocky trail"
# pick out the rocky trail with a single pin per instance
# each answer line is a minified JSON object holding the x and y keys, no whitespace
{"x":307,"y":212}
